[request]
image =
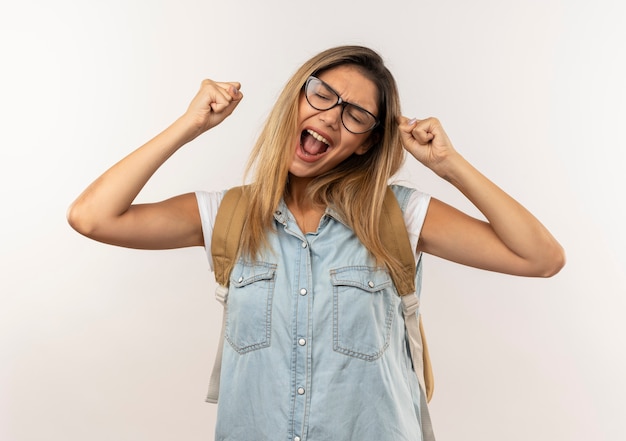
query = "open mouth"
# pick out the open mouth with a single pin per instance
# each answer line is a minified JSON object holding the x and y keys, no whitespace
{"x":312,"y":143}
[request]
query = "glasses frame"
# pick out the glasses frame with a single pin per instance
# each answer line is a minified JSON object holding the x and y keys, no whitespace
{"x":340,"y":101}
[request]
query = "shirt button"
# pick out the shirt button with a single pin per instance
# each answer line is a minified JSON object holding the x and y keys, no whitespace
{"x":304,"y":245}
{"x":300,"y":391}
{"x":296,"y":438}
{"x":302,"y":342}
{"x":240,"y":279}
{"x":303,"y":292}
{"x":370,"y":284}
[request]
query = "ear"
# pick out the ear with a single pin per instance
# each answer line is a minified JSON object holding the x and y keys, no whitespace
{"x":368,"y":144}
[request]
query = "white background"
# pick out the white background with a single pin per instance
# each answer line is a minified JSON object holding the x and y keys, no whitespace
{"x":103,"y":343}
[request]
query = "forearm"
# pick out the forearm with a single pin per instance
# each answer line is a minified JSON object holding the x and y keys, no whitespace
{"x":514,"y":225}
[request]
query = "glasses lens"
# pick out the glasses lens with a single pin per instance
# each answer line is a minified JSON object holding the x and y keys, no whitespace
{"x":357,"y":120}
{"x":319,"y":95}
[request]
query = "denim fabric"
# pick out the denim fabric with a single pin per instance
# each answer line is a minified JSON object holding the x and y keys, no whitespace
{"x":315,"y":345}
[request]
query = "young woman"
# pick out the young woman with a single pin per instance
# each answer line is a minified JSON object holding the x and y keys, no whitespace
{"x":309,"y":354}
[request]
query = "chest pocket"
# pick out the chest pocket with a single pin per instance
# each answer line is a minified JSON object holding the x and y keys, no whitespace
{"x":249,"y":313}
{"x":363,"y":311}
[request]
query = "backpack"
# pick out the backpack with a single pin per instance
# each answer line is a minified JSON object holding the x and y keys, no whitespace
{"x":225,"y":242}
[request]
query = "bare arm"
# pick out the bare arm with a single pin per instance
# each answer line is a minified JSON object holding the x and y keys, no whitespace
{"x":512,"y":240}
{"x":104,"y":211}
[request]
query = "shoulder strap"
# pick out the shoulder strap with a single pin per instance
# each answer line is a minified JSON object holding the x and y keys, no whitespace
{"x":229,"y":221}
{"x":394,"y":234}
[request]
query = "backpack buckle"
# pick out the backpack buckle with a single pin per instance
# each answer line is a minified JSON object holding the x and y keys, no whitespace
{"x":221,"y":294}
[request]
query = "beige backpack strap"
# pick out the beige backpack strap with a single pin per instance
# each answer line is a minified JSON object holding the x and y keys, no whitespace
{"x":227,"y":229}
{"x":394,"y":234}
{"x":229,"y":221}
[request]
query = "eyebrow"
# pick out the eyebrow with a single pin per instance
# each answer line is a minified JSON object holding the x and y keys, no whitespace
{"x":348,"y":102}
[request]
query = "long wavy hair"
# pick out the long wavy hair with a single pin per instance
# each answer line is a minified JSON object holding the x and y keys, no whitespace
{"x":356,"y":187}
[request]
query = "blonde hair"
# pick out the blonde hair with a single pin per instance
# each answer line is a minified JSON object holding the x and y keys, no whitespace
{"x":356,"y":187}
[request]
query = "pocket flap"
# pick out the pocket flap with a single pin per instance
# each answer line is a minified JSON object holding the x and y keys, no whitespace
{"x":367,"y":278}
{"x":248,"y":273}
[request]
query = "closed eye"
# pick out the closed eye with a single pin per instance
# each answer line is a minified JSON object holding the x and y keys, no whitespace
{"x":356,"y":115}
{"x":324,"y":97}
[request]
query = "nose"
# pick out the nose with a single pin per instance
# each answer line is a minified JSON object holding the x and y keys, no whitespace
{"x":332,"y":116}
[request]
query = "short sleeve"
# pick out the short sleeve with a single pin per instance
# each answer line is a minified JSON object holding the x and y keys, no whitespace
{"x":414,"y":216}
{"x":208,"y":203}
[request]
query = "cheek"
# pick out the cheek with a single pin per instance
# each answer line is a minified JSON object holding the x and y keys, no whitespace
{"x":304,"y":110}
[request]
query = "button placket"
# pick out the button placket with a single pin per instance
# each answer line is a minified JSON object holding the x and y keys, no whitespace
{"x":302,"y":362}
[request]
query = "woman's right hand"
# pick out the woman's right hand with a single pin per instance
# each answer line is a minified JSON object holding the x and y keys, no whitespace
{"x":213,"y":103}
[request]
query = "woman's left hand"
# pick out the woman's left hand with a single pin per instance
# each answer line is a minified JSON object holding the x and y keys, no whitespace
{"x":427,"y":141}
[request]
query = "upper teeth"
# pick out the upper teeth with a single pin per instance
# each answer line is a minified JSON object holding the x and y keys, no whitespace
{"x":318,"y":136}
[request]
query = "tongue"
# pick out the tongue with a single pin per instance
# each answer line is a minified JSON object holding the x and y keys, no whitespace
{"x":312,"y":146}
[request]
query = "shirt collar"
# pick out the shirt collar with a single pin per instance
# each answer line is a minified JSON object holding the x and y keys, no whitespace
{"x":281,"y":214}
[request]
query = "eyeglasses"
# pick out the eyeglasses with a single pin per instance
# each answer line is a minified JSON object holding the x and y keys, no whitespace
{"x":321,"y":96}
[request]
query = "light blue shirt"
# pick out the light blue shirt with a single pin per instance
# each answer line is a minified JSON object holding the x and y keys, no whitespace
{"x":315,"y":340}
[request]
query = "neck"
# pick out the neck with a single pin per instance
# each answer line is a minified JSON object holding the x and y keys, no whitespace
{"x":305,"y":211}
{"x":297,"y":194}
